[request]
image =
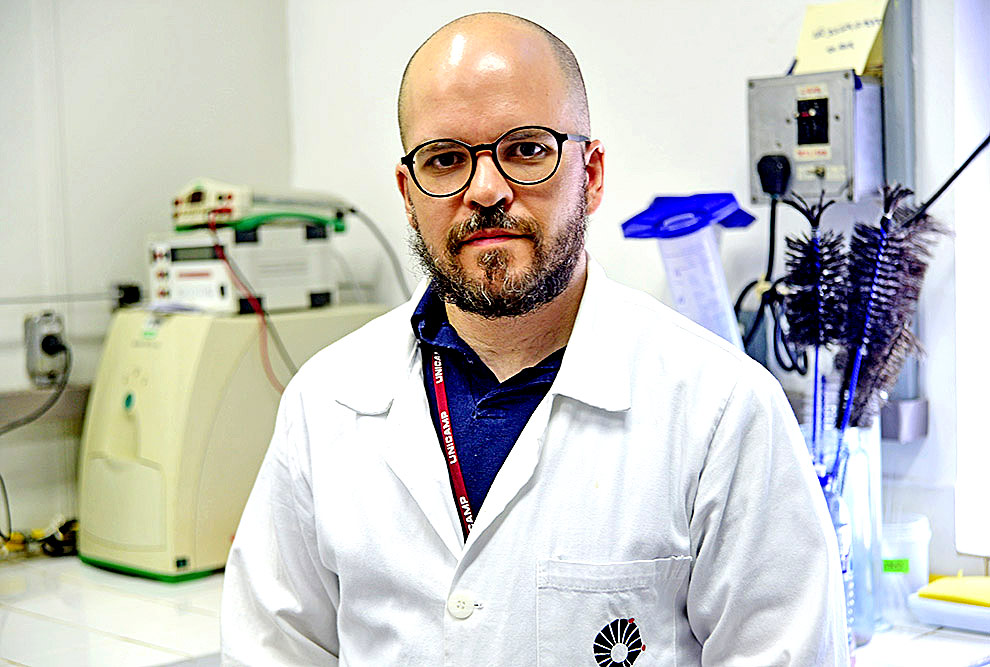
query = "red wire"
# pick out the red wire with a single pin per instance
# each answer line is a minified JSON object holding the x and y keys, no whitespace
{"x":255,"y":305}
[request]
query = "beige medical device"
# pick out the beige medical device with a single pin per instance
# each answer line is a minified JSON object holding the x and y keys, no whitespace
{"x":179,"y":419}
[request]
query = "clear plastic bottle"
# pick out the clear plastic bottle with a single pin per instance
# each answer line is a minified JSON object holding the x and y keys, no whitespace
{"x":684,"y":227}
{"x":841,"y":521}
{"x":697,"y":280}
{"x":861,"y":492}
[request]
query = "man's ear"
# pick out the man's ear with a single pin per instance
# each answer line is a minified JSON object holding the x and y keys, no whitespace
{"x":404,"y":181}
{"x":594,"y":172}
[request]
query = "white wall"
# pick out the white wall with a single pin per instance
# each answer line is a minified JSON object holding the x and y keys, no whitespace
{"x":972,"y":124}
{"x":109,"y":107}
{"x":119,"y":104}
{"x":666,"y":84}
{"x":667,"y":87}
{"x":921,"y":477}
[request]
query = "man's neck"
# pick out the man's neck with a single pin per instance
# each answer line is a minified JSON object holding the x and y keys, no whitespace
{"x":507,"y":345}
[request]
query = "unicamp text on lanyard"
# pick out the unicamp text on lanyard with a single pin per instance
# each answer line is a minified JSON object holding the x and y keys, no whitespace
{"x":450,"y":449}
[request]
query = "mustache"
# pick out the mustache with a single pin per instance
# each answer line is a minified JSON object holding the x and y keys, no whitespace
{"x":493,"y":217}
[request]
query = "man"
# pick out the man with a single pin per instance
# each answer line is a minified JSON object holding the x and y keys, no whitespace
{"x":527,"y":463}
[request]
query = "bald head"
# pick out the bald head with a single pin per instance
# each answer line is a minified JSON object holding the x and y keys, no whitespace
{"x":481,"y":43}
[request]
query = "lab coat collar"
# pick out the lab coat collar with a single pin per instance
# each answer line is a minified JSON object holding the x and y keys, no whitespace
{"x":384,"y":376}
{"x":392,"y":382}
{"x":591,"y":371}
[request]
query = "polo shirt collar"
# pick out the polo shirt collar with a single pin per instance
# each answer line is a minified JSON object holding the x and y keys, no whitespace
{"x":431,"y":326}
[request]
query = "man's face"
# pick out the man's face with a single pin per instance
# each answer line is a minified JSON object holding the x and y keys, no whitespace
{"x":508,"y":285}
{"x":497,"y":248}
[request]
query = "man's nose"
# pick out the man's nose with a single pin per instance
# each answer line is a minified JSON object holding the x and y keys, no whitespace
{"x":488,"y":187}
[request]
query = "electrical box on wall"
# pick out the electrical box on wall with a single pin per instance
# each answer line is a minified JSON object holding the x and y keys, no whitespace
{"x":45,"y":366}
{"x":828,"y":125}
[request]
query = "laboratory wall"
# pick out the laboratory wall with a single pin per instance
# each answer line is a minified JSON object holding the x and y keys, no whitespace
{"x":667,"y":89}
{"x":972,"y":120}
{"x":109,"y":108}
{"x":666,"y":85}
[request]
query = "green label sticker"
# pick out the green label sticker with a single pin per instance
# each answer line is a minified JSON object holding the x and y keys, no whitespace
{"x":899,"y":565}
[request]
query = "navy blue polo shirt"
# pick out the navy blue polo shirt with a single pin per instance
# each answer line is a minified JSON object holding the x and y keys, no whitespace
{"x":486,"y":416}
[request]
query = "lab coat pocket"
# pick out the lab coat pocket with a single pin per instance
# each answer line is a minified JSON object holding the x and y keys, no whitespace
{"x":608,"y":614}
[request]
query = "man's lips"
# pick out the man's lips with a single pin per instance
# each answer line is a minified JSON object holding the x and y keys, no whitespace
{"x":491,"y":236}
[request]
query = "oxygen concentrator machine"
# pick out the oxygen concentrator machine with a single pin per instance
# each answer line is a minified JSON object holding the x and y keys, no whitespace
{"x":178,"y":421}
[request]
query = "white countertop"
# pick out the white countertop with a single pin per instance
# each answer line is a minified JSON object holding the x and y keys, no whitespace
{"x":918,"y":645}
{"x":60,"y":611}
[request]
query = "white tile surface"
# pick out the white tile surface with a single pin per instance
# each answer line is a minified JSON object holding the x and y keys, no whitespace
{"x":924,"y":646}
{"x":40,"y":471}
{"x":199,"y":594}
{"x":62,"y":611}
{"x":32,"y":640}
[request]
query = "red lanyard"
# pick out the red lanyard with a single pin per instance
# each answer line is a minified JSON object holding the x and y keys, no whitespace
{"x":450,"y":451}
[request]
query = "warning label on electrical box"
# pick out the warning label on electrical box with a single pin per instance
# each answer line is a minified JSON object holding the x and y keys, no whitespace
{"x":821,"y":152}
{"x":812,"y":91}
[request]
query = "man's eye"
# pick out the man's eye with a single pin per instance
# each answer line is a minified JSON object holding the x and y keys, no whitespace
{"x":449,"y":160}
{"x":527,"y":150}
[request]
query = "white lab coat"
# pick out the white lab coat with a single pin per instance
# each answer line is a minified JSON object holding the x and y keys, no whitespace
{"x":662,"y":479}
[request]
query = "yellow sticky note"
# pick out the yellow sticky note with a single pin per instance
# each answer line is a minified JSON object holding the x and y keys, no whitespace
{"x":842,"y":35}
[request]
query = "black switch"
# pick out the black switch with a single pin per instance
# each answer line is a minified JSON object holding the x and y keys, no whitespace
{"x":812,"y":121}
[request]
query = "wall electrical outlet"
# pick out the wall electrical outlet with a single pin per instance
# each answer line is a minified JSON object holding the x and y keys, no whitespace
{"x":44,"y":369}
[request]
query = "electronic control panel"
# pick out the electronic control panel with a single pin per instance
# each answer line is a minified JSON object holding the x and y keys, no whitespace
{"x":828,"y":126}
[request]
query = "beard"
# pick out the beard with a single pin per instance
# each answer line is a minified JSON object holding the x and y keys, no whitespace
{"x":502,"y":292}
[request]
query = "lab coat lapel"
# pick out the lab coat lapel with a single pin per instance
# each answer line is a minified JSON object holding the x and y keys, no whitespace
{"x":410,"y":448}
{"x":589,"y":373}
{"x":516,"y":471}
{"x":412,"y":452}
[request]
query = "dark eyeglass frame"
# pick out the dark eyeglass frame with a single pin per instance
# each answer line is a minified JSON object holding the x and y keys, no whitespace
{"x":561,"y":137}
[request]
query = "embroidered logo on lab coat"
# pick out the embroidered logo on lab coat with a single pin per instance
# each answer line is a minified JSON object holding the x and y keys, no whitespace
{"x":618,"y":644}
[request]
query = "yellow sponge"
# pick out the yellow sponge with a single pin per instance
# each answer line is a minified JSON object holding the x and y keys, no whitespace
{"x":966,"y":590}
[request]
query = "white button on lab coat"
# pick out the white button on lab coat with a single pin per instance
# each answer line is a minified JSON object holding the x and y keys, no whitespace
{"x":460,"y":605}
{"x":660,"y":497}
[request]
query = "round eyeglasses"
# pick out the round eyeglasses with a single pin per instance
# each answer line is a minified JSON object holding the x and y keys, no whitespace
{"x":525,"y":155}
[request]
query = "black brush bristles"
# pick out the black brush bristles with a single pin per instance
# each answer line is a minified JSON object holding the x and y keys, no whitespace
{"x":815,"y":303}
{"x":886,"y":268}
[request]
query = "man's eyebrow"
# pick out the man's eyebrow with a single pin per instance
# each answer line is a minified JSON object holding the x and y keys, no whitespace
{"x":515,"y":133}
{"x":524,"y":133}
{"x":441,"y":144}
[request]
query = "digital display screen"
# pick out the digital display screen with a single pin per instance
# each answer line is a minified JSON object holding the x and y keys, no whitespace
{"x":194,"y":254}
{"x":196,"y":197}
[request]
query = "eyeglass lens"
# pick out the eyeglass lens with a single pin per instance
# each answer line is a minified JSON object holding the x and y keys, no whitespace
{"x":528,"y":155}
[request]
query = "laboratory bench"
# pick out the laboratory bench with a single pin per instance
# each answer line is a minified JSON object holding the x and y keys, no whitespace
{"x":60,"y":611}
{"x":919,"y":645}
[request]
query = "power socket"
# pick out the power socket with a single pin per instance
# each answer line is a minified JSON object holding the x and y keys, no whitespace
{"x":44,"y":368}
